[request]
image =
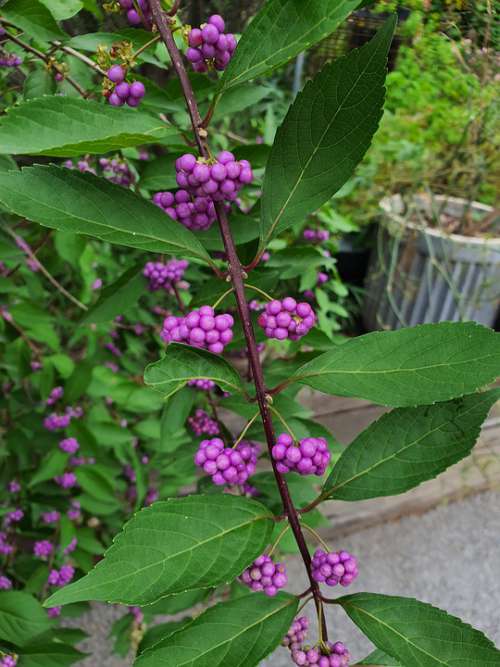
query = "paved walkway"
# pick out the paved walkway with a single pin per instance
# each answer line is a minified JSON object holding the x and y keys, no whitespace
{"x":449,"y":557}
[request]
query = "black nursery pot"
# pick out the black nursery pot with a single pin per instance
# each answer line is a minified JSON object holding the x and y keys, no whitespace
{"x":352,"y":262}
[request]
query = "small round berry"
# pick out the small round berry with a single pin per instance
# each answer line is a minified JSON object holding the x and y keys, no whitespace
{"x":137,"y":89}
{"x":116,"y":74}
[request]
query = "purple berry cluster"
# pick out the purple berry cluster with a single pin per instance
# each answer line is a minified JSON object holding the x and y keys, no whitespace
{"x":83,"y":166}
{"x":5,"y":583}
{"x":200,"y":328}
{"x":14,"y":486}
{"x":71,"y":547}
{"x":334,"y":567}
{"x":55,"y":422}
{"x":50,"y":518}
{"x":133,"y":16}
{"x":209,"y":46}
{"x":287,"y":319}
{"x":61,"y":577}
{"x":123,"y":92}
{"x":55,"y":395}
{"x":201,"y":423}
{"x":163,"y":276}
{"x":117,"y":171}
{"x":74,"y":513}
{"x":5,"y":547}
{"x":194,"y":212}
{"x":338,"y":656}
{"x":265,"y":575}
{"x":310,"y":457}
{"x":15,"y":516}
{"x":69,"y":445}
{"x":220,"y":181}
{"x":67,"y":480}
{"x":203,"y":385}
{"x":297,"y":634}
{"x":43,"y":549}
{"x":10,"y":60}
{"x":316,"y":235}
{"x":226,"y":465}
{"x":8,"y":661}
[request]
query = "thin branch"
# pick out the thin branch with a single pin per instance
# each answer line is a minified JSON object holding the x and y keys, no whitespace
{"x":237,"y":278}
{"x":81,"y":56}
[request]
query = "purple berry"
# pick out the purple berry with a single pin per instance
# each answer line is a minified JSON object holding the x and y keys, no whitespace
{"x":116,"y":74}
{"x":137,"y":89}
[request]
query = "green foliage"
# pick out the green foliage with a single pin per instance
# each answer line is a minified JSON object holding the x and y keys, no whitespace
{"x":418,"y":634}
{"x":22,"y":618}
{"x":34,"y":18}
{"x":240,"y":633}
{"x":175,"y":546}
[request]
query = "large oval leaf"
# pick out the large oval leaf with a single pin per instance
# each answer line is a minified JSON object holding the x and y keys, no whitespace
{"x":118,"y":297}
{"x":415,"y":366}
{"x":174,"y":546}
{"x":69,"y":126}
{"x":239,"y":633}
{"x":379,"y":659}
{"x":62,"y":199}
{"x":325,"y":134}
{"x":279,"y":32}
{"x":22,"y":618}
{"x":182,"y":363}
{"x":407,"y":447}
{"x":33,"y":18}
{"x":418,"y":634}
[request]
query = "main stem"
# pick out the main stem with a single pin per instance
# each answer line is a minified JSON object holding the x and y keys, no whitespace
{"x":237,"y":279}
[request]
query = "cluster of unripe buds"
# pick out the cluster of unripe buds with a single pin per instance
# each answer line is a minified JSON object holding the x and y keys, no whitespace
{"x":338,"y":656}
{"x":310,"y":456}
{"x":123,"y":92}
{"x":316,"y":235}
{"x":163,"y":276}
{"x":200,"y":328}
{"x":220,"y":180}
{"x":209,"y":46}
{"x":133,"y":16}
{"x":287,"y":319}
{"x":194,"y":212}
{"x":334,"y":567}
{"x":227,"y":465}
{"x":265,"y":575}
{"x":201,"y":423}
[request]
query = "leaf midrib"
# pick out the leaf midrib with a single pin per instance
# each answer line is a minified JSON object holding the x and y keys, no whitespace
{"x":281,"y":212}
{"x":234,"y":81}
{"x":220,"y":535}
{"x":366,"y":471}
{"x":396,"y":632}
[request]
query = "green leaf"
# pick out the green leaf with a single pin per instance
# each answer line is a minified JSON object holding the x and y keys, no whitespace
{"x":33,"y":18}
{"x":415,"y":366}
{"x":117,"y":298}
{"x":63,"y":9}
{"x":160,"y":174}
{"x":182,"y":363}
{"x":407,"y":447}
{"x":50,"y":654}
{"x":39,"y":82}
{"x":22,"y":618}
{"x":52,"y":464}
{"x":7,"y":163}
{"x":418,"y":634}
{"x":379,"y":659}
{"x":93,"y":206}
{"x":174,"y":546}
{"x":96,"y":483}
{"x":174,"y":416}
{"x":325,"y":134}
{"x":69,"y":126}
{"x":239,"y":633}
{"x":279,"y":32}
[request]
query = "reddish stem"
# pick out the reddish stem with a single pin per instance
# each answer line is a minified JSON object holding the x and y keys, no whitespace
{"x":237,"y":279}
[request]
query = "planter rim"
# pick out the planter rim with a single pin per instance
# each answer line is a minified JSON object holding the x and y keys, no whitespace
{"x":387,"y":205}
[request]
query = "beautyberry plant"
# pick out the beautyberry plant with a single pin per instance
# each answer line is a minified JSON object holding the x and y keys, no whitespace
{"x":165,"y":245}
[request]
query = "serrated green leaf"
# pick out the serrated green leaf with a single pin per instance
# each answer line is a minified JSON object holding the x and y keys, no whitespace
{"x":61,"y":126}
{"x":408,"y":446}
{"x":22,"y":618}
{"x":418,"y":634}
{"x":50,"y":654}
{"x":325,"y":134}
{"x":239,"y":633}
{"x":93,"y":206}
{"x":33,"y":18}
{"x":379,"y":659}
{"x":174,"y":546}
{"x":118,"y":297}
{"x":415,"y":366}
{"x":182,"y":363}
{"x":279,"y":32}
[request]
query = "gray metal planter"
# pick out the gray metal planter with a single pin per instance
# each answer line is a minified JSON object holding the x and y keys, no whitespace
{"x":418,"y":274}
